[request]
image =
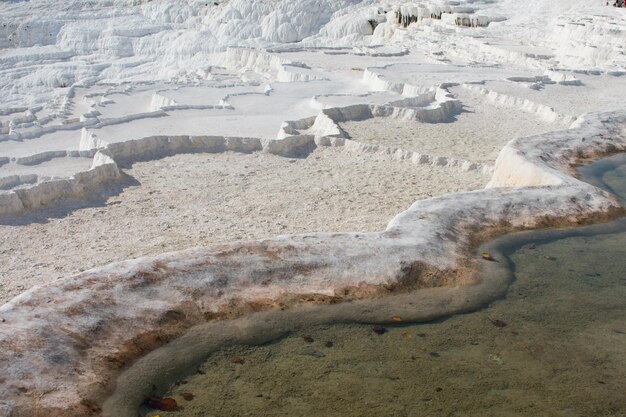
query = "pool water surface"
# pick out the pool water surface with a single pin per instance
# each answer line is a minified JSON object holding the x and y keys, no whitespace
{"x":555,"y":345}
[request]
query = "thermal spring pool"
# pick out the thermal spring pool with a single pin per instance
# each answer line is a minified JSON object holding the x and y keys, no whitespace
{"x":555,"y":345}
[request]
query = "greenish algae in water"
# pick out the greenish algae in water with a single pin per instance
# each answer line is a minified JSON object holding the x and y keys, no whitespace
{"x":554,"y":346}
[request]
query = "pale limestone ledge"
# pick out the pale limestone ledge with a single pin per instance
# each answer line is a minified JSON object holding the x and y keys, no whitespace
{"x":295,"y":138}
{"x":65,"y":343}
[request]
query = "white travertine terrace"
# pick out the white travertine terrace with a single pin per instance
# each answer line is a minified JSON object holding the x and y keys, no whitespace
{"x":432,"y":105}
{"x":92,"y":87}
{"x":47,"y":333}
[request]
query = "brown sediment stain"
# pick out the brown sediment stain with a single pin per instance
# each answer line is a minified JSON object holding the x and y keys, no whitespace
{"x":74,"y":310}
{"x":359,"y":292}
{"x":146,"y":278}
{"x":164,"y":328}
{"x":100,"y":281}
{"x":186,"y":312}
{"x":419,"y":275}
{"x":273,"y":253}
{"x":160,"y":271}
{"x":236,"y":249}
{"x":237,"y":307}
{"x":412,"y":277}
{"x":480,"y":234}
{"x":80,"y":341}
{"x":91,"y":406}
{"x":589,"y":155}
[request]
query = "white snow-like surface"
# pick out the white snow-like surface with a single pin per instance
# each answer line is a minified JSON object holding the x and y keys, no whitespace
{"x":89,"y":88}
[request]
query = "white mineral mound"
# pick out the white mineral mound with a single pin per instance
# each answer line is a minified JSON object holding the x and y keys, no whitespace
{"x":55,"y":44}
{"x":47,"y":45}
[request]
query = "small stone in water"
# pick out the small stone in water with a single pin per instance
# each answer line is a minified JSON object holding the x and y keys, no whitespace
{"x":487,"y":256}
{"x":163,"y":404}
{"x":314,"y":353}
{"x":187,"y":396}
{"x":379,"y":330}
{"x":498,"y":323}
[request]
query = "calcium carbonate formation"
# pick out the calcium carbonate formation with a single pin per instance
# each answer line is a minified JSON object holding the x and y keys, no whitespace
{"x":90,"y":88}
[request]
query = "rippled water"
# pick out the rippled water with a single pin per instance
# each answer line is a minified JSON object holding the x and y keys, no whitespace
{"x":554,"y":346}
